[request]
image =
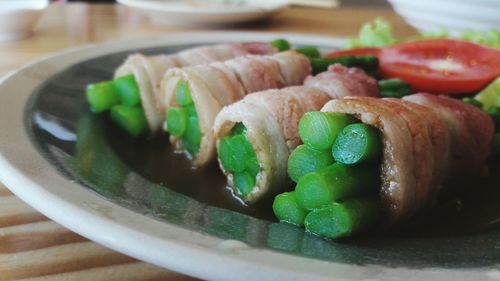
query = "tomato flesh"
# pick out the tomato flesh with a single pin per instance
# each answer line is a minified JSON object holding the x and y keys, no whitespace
{"x":441,"y":66}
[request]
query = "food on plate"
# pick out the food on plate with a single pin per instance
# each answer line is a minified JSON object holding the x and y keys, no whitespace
{"x":256,"y":135}
{"x":378,"y":33}
{"x":137,"y":80}
{"x":193,"y":96}
{"x":490,"y":96}
{"x":360,"y":146}
{"x":403,"y":149}
{"x":394,"y":88}
{"x":441,"y":66}
{"x":135,"y":89}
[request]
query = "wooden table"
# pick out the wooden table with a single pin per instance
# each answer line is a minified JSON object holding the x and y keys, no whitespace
{"x":35,"y":248}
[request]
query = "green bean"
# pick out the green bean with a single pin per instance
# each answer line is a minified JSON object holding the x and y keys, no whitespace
{"x":321,"y":64}
{"x":281,"y":44}
{"x":244,"y":183}
{"x":394,"y":88}
{"x":304,"y":160}
{"x":494,"y":112}
{"x":235,"y":153}
{"x":192,"y":136}
{"x":320,"y":129}
{"x":310,"y":52}
{"x":191,"y":110}
{"x":128,"y":90}
{"x":393,"y":85}
{"x":396,"y":94}
{"x":337,"y":220}
{"x":242,"y":152}
{"x":366,"y":62}
{"x":130,"y":118}
{"x":177,"y":119}
{"x":238,"y":129}
{"x":253,"y":166}
{"x":357,"y":143}
{"x":183,"y":93}
{"x":102,"y":96}
{"x":225,"y":155}
{"x":286,"y":209}
{"x":335,"y":183}
{"x":473,"y":102}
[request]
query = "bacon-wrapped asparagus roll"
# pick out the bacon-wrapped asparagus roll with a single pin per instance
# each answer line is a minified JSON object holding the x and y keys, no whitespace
{"x":256,"y":135}
{"x":193,"y":96}
{"x":404,"y":149}
{"x":146,"y":71}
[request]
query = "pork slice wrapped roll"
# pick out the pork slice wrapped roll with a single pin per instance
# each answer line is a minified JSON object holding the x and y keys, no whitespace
{"x":149,"y":70}
{"x":202,"y":91}
{"x":270,"y":120}
{"x":425,"y":139}
{"x":340,"y":81}
{"x":470,"y":131}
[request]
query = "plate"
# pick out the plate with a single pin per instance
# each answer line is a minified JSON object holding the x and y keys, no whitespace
{"x":200,"y":12}
{"x":77,"y":170}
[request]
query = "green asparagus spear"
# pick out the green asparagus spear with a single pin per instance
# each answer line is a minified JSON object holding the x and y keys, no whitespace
{"x":310,"y":52}
{"x":335,"y":183}
{"x":128,"y":90}
{"x":244,"y":182}
{"x":392,"y":85}
{"x":337,"y":220}
{"x":102,"y":96}
{"x":177,"y":119}
{"x":320,"y":129}
{"x":357,"y":143}
{"x":192,"y":136}
{"x":183,"y":93}
{"x":473,"y":102}
{"x":368,"y":63}
{"x":130,"y":118}
{"x":287,"y":209}
{"x":281,"y":44}
{"x":304,"y":160}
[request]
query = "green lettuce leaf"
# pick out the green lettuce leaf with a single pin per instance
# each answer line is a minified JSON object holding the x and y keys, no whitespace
{"x":376,"y":33}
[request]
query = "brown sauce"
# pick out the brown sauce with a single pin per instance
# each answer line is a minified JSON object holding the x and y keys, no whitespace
{"x":155,"y":159}
{"x":477,"y":209}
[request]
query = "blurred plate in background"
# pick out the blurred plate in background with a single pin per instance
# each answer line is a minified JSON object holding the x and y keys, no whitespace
{"x":203,"y":12}
{"x":454,"y":15}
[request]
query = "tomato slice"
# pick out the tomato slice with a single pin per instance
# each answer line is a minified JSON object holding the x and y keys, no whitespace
{"x":353,"y":52}
{"x":441,"y":66}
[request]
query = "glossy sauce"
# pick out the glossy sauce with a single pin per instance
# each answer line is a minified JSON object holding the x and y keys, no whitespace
{"x":156,"y":160}
{"x":477,"y":209}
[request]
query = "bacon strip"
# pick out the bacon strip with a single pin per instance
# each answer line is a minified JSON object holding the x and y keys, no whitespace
{"x":219,"y":84}
{"x":272,"y":118}
{"x":425,"y":139}
{"x":471,"y":132}
{"x":340,"y":81}
{"x":149,"y":70}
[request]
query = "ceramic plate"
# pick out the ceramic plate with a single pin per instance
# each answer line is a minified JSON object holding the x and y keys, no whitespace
{"x":201,"y":12}
{"x":140,"y":199}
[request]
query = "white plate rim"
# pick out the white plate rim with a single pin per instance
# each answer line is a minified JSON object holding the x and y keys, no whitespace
{"x":178,"y":8}
{"x":32,"y":178}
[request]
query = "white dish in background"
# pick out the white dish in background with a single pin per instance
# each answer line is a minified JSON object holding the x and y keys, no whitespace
{"x":28,"y":171}
{"x":456,"y":16}
{"x":200,"y":12}
{"x":19,"y":17}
